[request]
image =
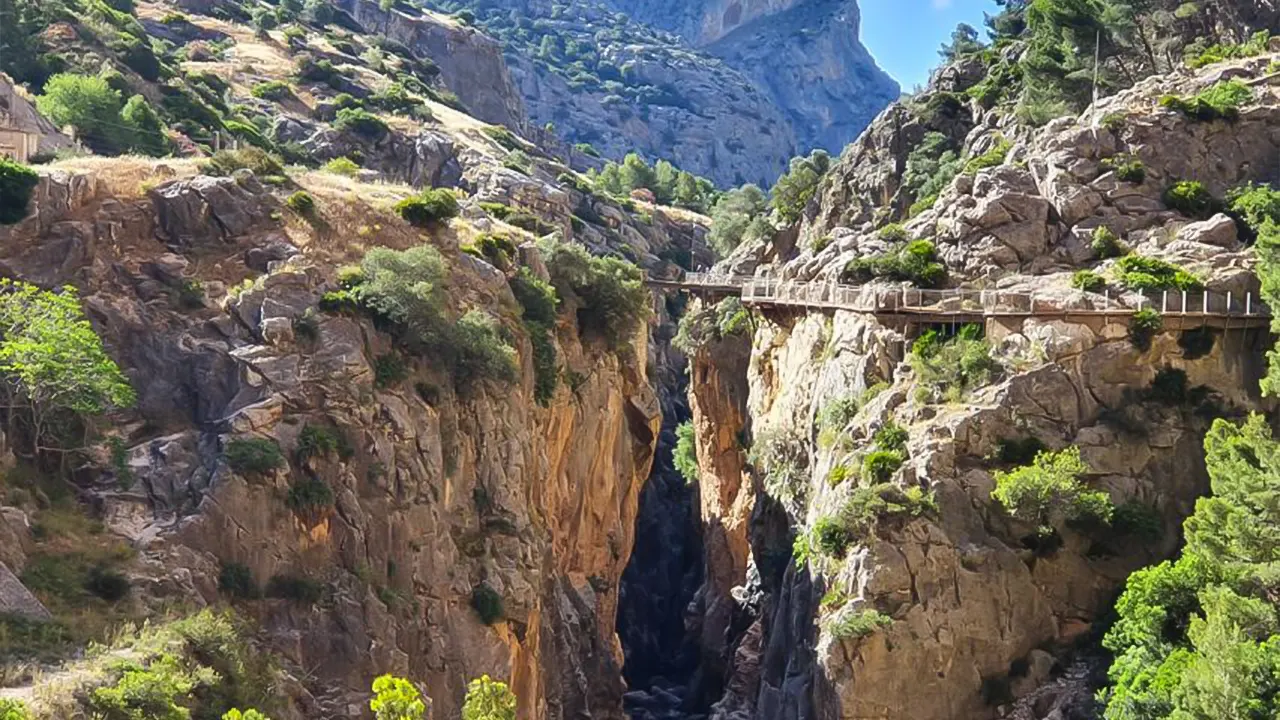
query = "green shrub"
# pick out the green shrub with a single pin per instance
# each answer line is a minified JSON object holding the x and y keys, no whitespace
{"x":272,"y":90}
{"x":837,"y":414}
{"x":1049,"y":492}
{"x":685,"y":454}
{"x":1087,"y":280}
{"x":711,"y":323}
{"x":361,"y":122}
{"x":1190,"y":197}
{"x":236,"y":580}
{"x":840,"y":473}
{"x":1105,"y":243}
{"x":830,"y":537}
{"x":319,"y":441}
{"x":13,"y":710}
{"x":519,"y":161}
{"x":880,"y":465}
{"x":915,"y":262}
{"x":487,"y":603}
{"x":869,"y":506}
{"x":296,"y":588}
{"x":498,"y":250}
{"x":301,"y":202}
{"x":536,"y":296}
{"x":389,"y":369}
{"x":253,"y":455}
{"x":429,"y":207}
{"x":309,"y":496}
{"x":891,"y":437}
{"x":1221,"y":101}
{"x":1138,"y":520}
{"x":538,"y":301}
{"x":158,"y":691}
{"x":530,"y":223}
{"x":1127,"y":169}
{"x":1143,"y":327}
{"x":91,"y":106}
{"x":479,"y":350}
{"x":1254,"y":206}
{"x":782,"y":458}
{"x":991,"y":158}
{"x":503,"y":137}
{"x":257,"y":160}
{"x":17,"y":182}
{"x":795,"y":188}
{"x":950,"y":369}
{"x":893,"y":233}
{"x":1200,"y":56}
{"x":608,"y":292}
{"x":858,"y":624}
{"x":1138,"y":272}
{"x":146,"y":130}
{"x":345,"y":167}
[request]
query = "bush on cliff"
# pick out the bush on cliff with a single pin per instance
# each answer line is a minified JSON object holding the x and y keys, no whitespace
{"x":685,"y":455}
{"x":429,"y":207}
{"x":1048,"y":492}
{"x":710,"y":323}
{"x":16,"y":185}
{"x":607,"y":292}
{"x":488,"y":699}
{"x":949,"y":368}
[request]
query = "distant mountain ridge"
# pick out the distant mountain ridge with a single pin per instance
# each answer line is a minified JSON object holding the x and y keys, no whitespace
{"x":731,"y":90}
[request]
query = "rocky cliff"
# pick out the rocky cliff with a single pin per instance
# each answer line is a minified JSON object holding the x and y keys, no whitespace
{"x":469,"y":528}
{"x":944,"y":605}
{"x":828,"y":85}
{"x":729,"y":96}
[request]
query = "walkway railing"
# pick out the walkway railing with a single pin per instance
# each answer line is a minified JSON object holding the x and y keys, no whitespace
{"x":985,"y":303}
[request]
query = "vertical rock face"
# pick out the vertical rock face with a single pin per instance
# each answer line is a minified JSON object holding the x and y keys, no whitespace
{"x":828,"y":86}
{"x":470,"y":62}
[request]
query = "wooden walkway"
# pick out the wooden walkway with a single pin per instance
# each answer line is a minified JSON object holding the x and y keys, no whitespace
{"x":1179,"y":309}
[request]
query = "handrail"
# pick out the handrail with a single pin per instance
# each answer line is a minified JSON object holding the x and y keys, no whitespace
{"x":966,"y":302}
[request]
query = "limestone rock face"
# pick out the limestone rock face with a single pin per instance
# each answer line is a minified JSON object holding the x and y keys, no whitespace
{"x":980,"y":612}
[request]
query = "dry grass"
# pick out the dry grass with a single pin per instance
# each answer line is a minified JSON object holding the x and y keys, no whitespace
{"x":128,"y":176}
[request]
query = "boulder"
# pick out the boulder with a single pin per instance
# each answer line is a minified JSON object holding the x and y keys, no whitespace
{"x":205,"y":210}
{"x":1218,"y":230}
{"x":17,"y":600}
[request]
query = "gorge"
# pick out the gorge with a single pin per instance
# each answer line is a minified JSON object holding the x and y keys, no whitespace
{"x":330,"y":368}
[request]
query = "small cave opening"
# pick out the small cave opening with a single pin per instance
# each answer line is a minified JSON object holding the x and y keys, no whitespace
{"x":661,"y":579}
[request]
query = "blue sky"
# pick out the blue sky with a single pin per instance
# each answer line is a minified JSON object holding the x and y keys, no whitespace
{"x":904,"y":35}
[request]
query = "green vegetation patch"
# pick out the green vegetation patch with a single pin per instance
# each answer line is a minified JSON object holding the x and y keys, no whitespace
{"x":1221,"y":101}
{"x":17,"y":182}
{"x":915,"y":262}
{"x":1142,"y":273}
